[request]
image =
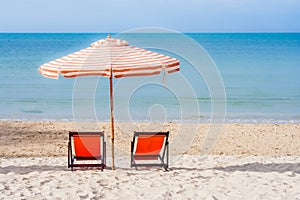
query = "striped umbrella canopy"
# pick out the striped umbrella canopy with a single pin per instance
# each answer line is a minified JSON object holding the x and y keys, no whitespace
{"x":112,"y":58}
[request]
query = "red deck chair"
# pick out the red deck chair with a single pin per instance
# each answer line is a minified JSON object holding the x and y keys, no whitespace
{"x":150,"y":146}
{"x":86,"y":146}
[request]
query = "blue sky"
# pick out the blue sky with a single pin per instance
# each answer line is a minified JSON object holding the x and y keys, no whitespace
{"x":121,"y":15}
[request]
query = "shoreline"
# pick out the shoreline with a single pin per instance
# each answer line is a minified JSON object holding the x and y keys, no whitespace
{"x":201,"y":121}
{"x":39,"y":139}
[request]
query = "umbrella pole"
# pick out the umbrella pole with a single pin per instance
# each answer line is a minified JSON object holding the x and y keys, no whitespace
{"x":112,"y":120}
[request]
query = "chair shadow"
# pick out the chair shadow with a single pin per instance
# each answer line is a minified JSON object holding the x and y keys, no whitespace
{"x":251,"y":167}
{"x":22,"y":170}
{"x":261,"y":167}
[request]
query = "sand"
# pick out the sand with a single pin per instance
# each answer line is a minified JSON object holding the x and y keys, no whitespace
{"x":191,"y":177}
{"x":40,"y":139}
{"x":245,"y":161}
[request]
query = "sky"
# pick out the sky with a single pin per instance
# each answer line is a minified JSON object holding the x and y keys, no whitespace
{"x":123,"y":15}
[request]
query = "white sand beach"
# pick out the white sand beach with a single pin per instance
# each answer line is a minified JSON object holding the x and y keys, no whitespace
{"x":190,"y":177}
{"x":248,"y":161}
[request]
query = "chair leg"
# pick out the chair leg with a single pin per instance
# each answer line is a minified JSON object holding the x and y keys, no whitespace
{"x":72,"y":162}
{"x":132,"y":162}
{"x":69,"y":156}
{"x":131,"y":154}
{"x":103,"y":158}
{"x":165,"y":156}
{"x":168,"y":155}
{"x":104,"y":153}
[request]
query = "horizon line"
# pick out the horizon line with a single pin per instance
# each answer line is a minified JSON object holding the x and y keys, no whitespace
{"x":29,"y":32}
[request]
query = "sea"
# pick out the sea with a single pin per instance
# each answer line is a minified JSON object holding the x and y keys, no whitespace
{"x":249,"y":78}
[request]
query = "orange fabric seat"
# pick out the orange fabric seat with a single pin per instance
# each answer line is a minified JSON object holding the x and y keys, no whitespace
{"x":85,"y":146}
{"x":150,"y":146}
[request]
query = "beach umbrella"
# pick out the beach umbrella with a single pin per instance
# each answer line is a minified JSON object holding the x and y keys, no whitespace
{"x":111,"y":58}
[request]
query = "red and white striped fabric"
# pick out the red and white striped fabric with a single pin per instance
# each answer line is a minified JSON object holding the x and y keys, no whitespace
{"x":110,"y":54}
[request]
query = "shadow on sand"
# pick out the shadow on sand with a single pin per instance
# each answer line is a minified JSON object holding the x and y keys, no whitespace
{"x":33,"y":168}
{"x":251,"y":167}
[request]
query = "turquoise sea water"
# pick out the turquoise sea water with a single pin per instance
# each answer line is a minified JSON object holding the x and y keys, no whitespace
{"x":261,"y":74}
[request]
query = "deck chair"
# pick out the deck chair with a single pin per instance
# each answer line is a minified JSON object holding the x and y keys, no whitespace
{"x":89,"y":147}
{"x":147,"y":147}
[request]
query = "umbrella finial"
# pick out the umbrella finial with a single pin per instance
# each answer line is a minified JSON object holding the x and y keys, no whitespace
{"x":108,"y":36}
